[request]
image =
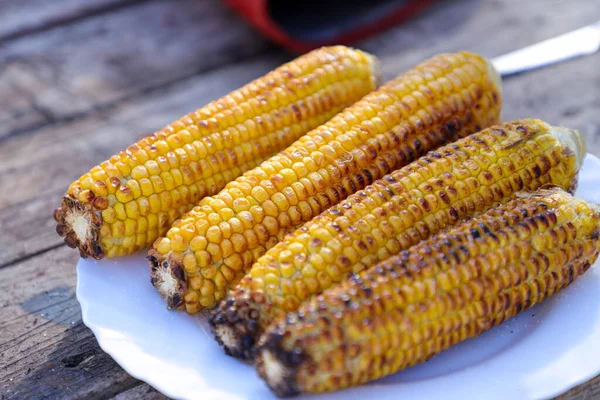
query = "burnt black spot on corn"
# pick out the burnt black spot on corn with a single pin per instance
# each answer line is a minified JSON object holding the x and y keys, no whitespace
{"x":228,"y":232}
{"x":415,"y":305}
{"x":126,"y":202}
{"x":281,"y":282}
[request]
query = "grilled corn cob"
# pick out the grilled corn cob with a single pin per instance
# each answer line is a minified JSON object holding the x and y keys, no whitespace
{"x":125,"y":203}
{"x":451,"y":287}
{"x":212,"y":246}
{"x":393,"y":214}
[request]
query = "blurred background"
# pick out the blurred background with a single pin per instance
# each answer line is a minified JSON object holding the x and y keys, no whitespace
{"x":82,"y":79}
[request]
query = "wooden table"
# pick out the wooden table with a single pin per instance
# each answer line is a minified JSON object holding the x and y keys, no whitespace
{"x":81,"y":79}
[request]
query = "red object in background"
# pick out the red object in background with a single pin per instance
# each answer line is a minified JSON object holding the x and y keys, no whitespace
{"x":302,"y":25}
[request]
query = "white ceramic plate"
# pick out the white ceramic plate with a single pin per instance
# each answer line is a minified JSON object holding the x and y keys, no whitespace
{"x":541,"y":353}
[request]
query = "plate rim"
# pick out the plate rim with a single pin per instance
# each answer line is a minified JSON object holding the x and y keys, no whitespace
{"x":104,"y":343}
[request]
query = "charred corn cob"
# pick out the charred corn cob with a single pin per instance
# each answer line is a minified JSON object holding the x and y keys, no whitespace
{"x":212,"y":246}
{"x":125,"y":203}
{"x":396,"y":212}
{"x":451,"y":287}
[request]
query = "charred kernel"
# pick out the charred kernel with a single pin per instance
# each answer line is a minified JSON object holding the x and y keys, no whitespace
{"x":367,"y":228}
{"x":339,"y":325}
{"x":198,"y":154}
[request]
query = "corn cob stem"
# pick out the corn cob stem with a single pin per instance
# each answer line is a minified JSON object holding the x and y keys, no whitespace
{"x":211,"y":247}
{"x":451,"y":287}
{"x":125,"y":203}
{"x":394,"y":213}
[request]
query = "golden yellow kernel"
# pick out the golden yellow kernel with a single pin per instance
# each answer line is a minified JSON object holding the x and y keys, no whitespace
{"x":215,"y":251}
{"x":260,"y":194}
{"x":109,"y":216}
{"x":296,"y":248}
{"x":154,"y":202}
{"x":204,"y":259}
{"x":118,"y":229}
{"x":245,"y":219}
{"x":216,"y":204}
{"x":188,"y":231}
{"x":120,"y":211}
{"x":152,"y":221}
{"x":134,"y":187}
{"x":318,"y":261}
{"x":189,"y":262}
{"x":287,"y":269}
{"x":191,"y":297}
{"x":251,"y":238}
{"x":142,"y":225}
{"x":236,"y":225}
{"x":241,"y":204}
{"x":130,"y":227}
{"x":100,"y":189}
{"x":198,"y":243}
{"x":280,"y":201}
{"x":239,"y":243}
{"x":257,"y":214}
{"x":213,"y":234}
{"x":227,"y":273}
{"x":206,"y":302}
{"x":167,"y":180}
{"x":214,"y":218}
{"x":271,"y":279}
{"x":289,"y":176}
{"x":270,"y":208}
{"x":225,"y":229}
{"x":85,"y":196}
{"x":195,"y":281}
{"x":173,"y":231}
{"x":138,"y":172}
{"x":300,"y":169}
{"x":234,"y":262}
{"x":178,"y":243}
{"x":131,"y":209}
{"x":142,"y":240}
{"x":128,"y":242}
{"x":208,"y":288}
{"x":271,"y":225}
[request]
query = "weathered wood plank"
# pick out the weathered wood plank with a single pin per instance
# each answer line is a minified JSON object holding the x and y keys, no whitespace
{"x":586,"y":391}
{"x":49,"y":159}
{"x":141,"y":392}
{"x":69,"y":70}
{"x":24,"y":17}
{"x":490,"y":27}
{"x":45,"y":349}
{"x":47,"y":352}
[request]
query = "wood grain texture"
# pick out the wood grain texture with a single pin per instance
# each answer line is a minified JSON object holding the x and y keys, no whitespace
{"x":81,"y":90}
{"x":45,"y":349}
{"x":88,"y":64}
{"x":20,"y":18}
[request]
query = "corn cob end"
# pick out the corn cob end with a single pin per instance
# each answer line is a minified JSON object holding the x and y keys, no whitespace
{"x":168,"y":277}
{"x":575,"y":142}
{"x":277,"y":366}
{"x":236,"y":328}
{"x":573,"y":139}
{"x":79,"y":223}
